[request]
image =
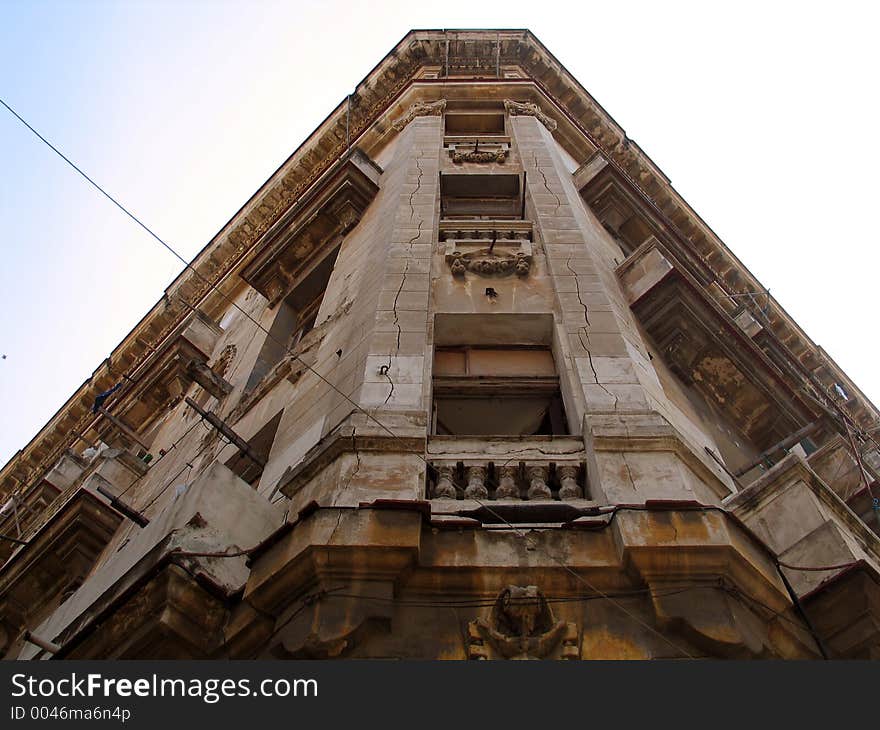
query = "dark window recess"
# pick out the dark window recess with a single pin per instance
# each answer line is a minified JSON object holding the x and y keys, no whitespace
{"x":490,"y":197}
{"x":468,"y":124}
{"x":294,"y":319}
{"x":244,"y":466}
{"x":492,"y":391}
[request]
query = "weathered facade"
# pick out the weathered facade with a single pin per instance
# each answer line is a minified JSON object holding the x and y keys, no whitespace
{"x":465,"y":379}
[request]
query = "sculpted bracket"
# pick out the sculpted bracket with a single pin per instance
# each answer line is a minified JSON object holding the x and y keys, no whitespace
{"x":420,"y":109}
{"x":529,"y":109}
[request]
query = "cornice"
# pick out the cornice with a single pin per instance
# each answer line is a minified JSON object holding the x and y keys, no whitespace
{"x":363,"y":118}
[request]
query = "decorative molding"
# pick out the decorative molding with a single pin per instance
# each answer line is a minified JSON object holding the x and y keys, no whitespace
{"x":420,"y":109}
{"x":486,"y":261}
{"x":529,"y":109}
{"x":499,"y":155}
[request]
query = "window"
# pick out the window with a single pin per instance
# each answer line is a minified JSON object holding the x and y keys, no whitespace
{"x":496,"y":391}
{"x":294,"y":319}
{"x":490,"y":197}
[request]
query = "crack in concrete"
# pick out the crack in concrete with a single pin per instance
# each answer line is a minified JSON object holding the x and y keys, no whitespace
{"x":596,"y":375}
{"x":390,"y":382}
{"x":356,"y":469}
{"x":394,"y":309}
{"x":577,"y":287}
{"x":412,"y":215}
{"x":417,"y":236}
{"x":335,"y":529}
{"x":418,"y":187}
{"x":546,"y":186}
{"x":629,"y":472}
{"x":412,"y":240}
{"x":582,"y":332}
{"x":482,"y":452}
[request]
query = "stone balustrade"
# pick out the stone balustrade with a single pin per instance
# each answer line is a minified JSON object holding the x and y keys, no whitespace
{"x":507,"y":480}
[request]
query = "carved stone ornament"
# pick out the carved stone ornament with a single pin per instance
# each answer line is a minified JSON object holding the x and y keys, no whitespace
{"x":522,"y":626}
{"x":499,"y":155}
{"x":420,"y":109}
{"x":528,"y":109}
{"x":488,"y":262}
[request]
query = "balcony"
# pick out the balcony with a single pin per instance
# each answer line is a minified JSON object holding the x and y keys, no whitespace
{"x":708,"y":348}
{"x":61,"y":549}
{"x":481,"y":197}
{"x":161,"y":381}
{"x":497,"y":468}
{"x":142,"y":599}
{"x":313,"y":226}
{"x":798,"y":516}
{"x":20,"y":513}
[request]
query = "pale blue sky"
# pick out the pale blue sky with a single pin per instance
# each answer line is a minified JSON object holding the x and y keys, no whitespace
{"x":762,"y":115}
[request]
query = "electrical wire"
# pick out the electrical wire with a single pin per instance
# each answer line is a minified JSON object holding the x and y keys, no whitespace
{"x":187,"y":466}
{"x":161,"y":456}
{"x":213,"y":287}
{"x":489,"y":602}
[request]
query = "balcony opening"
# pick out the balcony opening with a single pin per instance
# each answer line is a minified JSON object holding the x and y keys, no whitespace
{"x":496,"y":391}
{"x":481,"y":197}
{"x":474,"y":124}
{"x":243,"y":465}
{"x":294,"y":319}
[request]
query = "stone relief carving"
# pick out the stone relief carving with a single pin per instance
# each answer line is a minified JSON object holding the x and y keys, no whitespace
{"x":420,"y":109}
{"x":529,"y":109}
{"x":486,"y":263}
{"x":479,"y":155}
{"x":521,"y":625}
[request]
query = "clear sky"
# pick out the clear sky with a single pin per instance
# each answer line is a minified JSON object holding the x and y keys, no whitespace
{"x":762,"y":114}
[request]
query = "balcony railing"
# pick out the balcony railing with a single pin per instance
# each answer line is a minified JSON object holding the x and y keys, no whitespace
{"x":507,"y":468}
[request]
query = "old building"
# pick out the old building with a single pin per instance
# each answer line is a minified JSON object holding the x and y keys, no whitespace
{"x":465,"y":379}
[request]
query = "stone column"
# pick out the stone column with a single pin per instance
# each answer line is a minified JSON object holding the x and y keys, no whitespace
{"x":393,"y":375}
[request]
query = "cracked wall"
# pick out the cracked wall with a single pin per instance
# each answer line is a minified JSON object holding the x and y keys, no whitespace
{"x":606,"y":367}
